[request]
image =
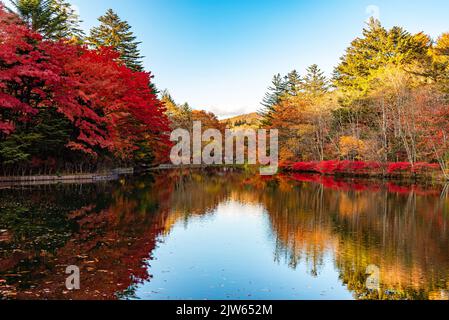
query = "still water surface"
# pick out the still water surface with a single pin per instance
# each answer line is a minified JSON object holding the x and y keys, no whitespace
{"x":216,"y":235}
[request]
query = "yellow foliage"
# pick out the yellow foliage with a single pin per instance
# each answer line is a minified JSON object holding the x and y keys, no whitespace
{"x":440,"y":51}
{"x":351,"y":147}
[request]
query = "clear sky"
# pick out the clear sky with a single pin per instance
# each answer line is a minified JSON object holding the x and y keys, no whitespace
{"x":220,"y":55}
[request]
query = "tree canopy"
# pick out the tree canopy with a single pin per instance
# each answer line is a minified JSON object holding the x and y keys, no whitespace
{"x":63,"y":96}
{"x":116,"y":33}
{"x":53,"y":19}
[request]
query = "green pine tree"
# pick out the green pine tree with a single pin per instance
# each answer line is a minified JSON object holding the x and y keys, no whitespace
{"x":53,"y":19}
{"x":294,"y":83}
{"x":46,"y":137}
{"x":70,"y":27}
{"x":14,"y":150}
{"x":276,"y":92}
{"x":113,"y":32}
{"x":153,"y":86}
{"x":315,"y":83}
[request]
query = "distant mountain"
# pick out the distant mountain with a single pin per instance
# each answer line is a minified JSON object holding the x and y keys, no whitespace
{"x":245,"y":121}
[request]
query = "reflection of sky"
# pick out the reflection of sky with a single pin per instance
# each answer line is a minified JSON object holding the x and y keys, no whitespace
{"x":220,"y":55}
{"x":230,"y":255}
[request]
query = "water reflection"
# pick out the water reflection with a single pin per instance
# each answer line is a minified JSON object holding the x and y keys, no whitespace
{"x":196,"y":235}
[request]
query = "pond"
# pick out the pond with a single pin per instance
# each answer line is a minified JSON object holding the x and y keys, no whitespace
{"x":225,"y":235}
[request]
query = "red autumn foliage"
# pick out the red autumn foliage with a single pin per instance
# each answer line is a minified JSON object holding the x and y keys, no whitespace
{"x":399,"y":167}
{"x":334,"y":167}
{"x":330,"y":182}
{"x":25,"y":71}
{"x":110,"y":106}
{"x":423,"y":167}
{"x":305,"y":167}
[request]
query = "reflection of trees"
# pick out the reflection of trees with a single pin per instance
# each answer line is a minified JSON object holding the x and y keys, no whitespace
{"x":402,"y":229}
{"x":110,"y":230}
{"x":37,"y":224}
{"x":301,"y":226}
{"x":106,"y":230}
{"x":197,"y":193}
{"x":406,"y":236}
{"x":404,"y":232}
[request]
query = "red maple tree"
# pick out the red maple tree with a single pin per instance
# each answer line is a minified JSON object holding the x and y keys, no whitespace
{"x":109,"y":106}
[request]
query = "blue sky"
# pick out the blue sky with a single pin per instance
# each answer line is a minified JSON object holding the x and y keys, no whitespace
{"x":220,"y":55}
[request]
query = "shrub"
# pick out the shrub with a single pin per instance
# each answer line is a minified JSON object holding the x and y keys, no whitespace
{"x":305,"y":167}
{"x":332,"y":167}
{"x":399,"y":167}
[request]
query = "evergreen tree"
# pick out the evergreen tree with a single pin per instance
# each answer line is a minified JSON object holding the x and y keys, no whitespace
{"x":14,"y":149}
{"x":275,"y":93}
{"x":185,"y":107}
{"x":439,"y":71}
{"x":169,"y":102}
{"x":315,"y":83}
{"x":113,"y":32}
{"x":377,"y":49}
{"x":153,"y":87}
{"x":179,"y":115}
{"x":70,"y":27}
{"x":48,"y":137}
{"x":53,"y":19}
{"x":294,"y":83}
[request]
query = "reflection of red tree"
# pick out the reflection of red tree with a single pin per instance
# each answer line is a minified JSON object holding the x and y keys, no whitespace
{"x":335,"y":167}
{"x":334,"y":183}
{"x":111,"y":249}
{"x":400,"y":228}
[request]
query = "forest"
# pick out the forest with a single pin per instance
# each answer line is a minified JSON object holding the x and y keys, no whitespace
{"x":385,"y":108}
{"x":72,"y":102}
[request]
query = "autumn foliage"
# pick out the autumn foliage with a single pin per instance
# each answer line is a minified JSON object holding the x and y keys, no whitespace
{"x":335,"y":167}
{"x":386,"y":102}
{"x":110,"y":108}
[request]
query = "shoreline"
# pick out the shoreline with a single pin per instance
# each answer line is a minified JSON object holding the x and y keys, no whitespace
{"x":64,"y":178}
{"x":375,"y":176}
{"x":429,"y":177}
{"x":36,"y":178}
{"x":11,"y":182}
{"x":393,"y":171}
